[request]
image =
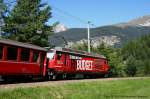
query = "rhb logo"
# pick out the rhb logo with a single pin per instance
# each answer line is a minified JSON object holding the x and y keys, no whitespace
{"x":84,"y":65}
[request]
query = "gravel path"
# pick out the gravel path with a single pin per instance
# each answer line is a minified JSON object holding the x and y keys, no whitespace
{"x":54,"y":83}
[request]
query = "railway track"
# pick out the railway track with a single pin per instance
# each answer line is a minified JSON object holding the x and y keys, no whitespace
{"x":61,"y":82}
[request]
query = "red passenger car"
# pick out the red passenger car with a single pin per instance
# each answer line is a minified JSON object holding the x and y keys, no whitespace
{"x":21,"y":59}
{"x":66,"y":62}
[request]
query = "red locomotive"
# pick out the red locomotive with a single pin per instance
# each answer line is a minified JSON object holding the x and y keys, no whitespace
{"x":27,"y":60}
{"x":67,"y":62}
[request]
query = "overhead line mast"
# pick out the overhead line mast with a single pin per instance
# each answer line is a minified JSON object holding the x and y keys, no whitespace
{"x":88,"y":31}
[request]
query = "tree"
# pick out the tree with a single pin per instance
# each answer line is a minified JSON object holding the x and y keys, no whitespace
{"x":137,"y":54}
{"x":131,"y":67}
{"x":27,"y":22}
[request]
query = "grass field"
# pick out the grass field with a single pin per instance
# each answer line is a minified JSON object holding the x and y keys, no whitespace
{"x":108,"y":89}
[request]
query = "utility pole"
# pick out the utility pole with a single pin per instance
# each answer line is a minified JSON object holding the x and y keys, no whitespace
{"x":88,"y":30}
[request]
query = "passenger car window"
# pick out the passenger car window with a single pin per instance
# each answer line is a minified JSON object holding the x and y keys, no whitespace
{"x":42,"y":58}
{"x":12,"y":53}
{"x":1,"y":52}
{"x":35,"y":56}
{"x":25,"y":53}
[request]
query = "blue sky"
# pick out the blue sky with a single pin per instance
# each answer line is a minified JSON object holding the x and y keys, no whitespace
{"x":99,"y":12}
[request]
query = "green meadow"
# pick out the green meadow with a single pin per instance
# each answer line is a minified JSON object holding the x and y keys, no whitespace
{"x":107,"y":89}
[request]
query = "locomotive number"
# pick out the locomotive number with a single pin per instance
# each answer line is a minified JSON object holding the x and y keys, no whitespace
{"x":84,"y":65}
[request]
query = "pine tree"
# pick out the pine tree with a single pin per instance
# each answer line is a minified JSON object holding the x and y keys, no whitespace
{"x":27,"y":22}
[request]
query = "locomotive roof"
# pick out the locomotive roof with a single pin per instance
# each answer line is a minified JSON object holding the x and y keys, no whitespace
{"x":20,"y":44}
{"x":68,"y":50}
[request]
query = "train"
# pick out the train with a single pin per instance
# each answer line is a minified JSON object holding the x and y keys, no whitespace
{"x":23,"y":60}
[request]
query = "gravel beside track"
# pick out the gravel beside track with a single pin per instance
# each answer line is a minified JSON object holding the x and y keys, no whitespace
{"x":61,"y":82}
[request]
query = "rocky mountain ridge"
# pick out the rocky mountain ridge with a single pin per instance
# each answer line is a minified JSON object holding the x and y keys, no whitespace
{"x":111,"y":35}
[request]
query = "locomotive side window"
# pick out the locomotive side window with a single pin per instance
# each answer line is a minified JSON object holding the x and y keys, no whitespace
{"x":35,"y":56}
{"x":12,"y":53}
{"x":72,"y":57}
{"x":1,"y":52}
{"x":78,"y":57}
{"x":25,"y":53}
{"x":75,"y":57}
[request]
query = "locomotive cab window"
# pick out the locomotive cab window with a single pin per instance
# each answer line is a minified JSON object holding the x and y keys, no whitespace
{"x":12,"y":53}
{"x":50,"y":55}
{"x":1,"y":51}
{"x":25,"y":53}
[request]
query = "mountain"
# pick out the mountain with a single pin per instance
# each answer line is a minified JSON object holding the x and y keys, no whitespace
{"x":141,"y":21}
{"x":59,"y":28}
{"x":111,"y":35}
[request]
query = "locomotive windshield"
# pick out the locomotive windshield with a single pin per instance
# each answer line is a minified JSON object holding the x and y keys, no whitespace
{"x":50,"y":55}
